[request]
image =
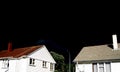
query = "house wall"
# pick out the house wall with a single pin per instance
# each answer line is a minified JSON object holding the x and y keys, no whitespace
{"x":15,"y":65}
{"x":21,"y":65}
{"x":12,"y":65}
{"x":38,"y":66}
{"x":11,"y":68}
{"x":115,"y":67}
{"x":83,"y":68}
{"x":42,"y":54}
{"x":1,"y":68}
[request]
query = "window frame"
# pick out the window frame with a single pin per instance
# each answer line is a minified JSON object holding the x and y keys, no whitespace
{"x":44,"y":65}
{"x":94,"y":67}
{"x":5,"y":64}
{"x":101,"y":66}
{"x":51,"y":66}
{"x":32,"y":62}
{"x":104,"y":64}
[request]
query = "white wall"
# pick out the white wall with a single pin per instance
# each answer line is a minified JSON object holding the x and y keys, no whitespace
{"x":84,"y":67}
{"x":11,"y":68}
{"x":21,"y":65}
{"x":42,"y":54}
{"x":115,"y":67}
{"x":12,"y":64}
{"x":1,"y":69}
{"x":38,"y":67}
{"x":15,"y":65}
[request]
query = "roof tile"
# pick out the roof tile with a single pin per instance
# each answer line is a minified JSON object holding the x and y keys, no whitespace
{"x":18,"y":52}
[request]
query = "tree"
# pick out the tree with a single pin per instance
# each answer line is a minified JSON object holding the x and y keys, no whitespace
{"x":59,"y":61}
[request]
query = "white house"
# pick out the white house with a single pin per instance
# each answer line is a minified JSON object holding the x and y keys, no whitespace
{"x":100,"y":58}
{"x":27,"y":59}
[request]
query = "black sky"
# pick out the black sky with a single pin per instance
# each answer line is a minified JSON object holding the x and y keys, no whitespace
{"x":59,"y":38}
{"x":60,"y":29}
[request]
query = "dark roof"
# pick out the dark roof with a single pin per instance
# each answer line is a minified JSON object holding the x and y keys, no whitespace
{"x":97,"y":53}
{"x":18,"y":52}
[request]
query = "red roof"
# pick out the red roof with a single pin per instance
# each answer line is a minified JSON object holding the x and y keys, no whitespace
{"x":18,"y":52}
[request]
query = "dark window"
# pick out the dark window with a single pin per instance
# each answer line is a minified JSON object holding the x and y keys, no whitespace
{"x":51,"y":66}
{"x":44,"y":64}
{"x":32,"y":61}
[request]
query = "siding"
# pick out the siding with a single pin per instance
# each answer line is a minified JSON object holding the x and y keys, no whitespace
{"x":42,"y":54}
{"x":38,"y":67}
{"x":11,"y":68}
{"x":115,"y":67}
{"x":84,"y":67}
{"x":1,"y":69}
{"x":21,"y":65}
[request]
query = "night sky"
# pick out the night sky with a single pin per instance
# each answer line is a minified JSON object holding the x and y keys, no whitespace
{"x":61,"y":39}
{"x":62,"y":30}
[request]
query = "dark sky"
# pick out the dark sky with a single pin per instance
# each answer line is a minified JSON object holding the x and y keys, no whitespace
{"x":59,"y":38}
{"x":60,"y":29}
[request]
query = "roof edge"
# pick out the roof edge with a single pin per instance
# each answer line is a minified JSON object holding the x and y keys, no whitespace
{"x":96,"y":61}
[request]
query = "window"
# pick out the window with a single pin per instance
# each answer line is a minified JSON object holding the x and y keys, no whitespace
{"x":51,"y":66}
{"x":44,"y":64}
{"x":102,"y":67}
{"x":108,"y":67}
{"x":32,"y":62}
{"x":5,"y":63}
{"x":95,"y":69}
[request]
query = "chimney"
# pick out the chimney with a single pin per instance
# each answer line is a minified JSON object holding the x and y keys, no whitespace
{"x":9,"y":46}
{"x":115,"y":44}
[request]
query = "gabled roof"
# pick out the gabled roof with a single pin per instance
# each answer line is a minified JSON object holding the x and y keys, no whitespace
{"x":98,"y":53}
{"x":18,"y":52}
